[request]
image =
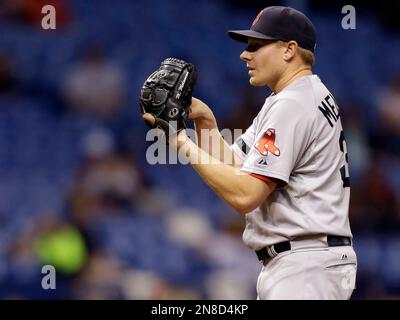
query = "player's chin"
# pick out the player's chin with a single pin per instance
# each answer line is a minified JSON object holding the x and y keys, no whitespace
{"x":256,"y":82}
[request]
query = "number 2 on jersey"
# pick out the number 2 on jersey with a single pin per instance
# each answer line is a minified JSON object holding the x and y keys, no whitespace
{"x":345,"y":168}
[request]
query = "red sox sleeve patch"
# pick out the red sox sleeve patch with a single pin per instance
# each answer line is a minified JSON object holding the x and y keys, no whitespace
{"x":267,"y":143}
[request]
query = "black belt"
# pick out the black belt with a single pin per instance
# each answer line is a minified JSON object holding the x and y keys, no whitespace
{"x":272,"y":251}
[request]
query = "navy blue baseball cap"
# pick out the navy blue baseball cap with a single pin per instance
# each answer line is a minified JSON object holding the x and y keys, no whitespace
{"x":280,"y":23}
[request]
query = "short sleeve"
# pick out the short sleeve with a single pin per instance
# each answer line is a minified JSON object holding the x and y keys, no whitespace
{"x":281,"y":137}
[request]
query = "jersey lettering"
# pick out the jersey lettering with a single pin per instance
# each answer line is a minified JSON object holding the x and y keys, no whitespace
{"x":345,"y":168}
{"x":329,"y":111}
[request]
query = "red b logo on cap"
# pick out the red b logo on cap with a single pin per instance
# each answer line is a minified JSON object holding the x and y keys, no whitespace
{"x":257,"y":18}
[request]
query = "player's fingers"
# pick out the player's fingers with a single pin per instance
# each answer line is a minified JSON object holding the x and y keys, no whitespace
{"x":149,"y":119}
{"x":193,"y":113}
{"x":196,"y":109}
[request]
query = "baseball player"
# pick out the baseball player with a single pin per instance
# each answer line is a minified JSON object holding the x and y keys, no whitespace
{"x":294,"y":184}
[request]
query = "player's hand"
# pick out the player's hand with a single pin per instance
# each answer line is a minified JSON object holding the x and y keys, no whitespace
{"x":202,"y":114}
{"x":149,"y":119}
{"x":168,"y":127}
{"x":174,"y":139}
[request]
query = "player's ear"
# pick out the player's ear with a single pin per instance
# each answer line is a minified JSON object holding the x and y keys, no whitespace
{"x":290,"y":50}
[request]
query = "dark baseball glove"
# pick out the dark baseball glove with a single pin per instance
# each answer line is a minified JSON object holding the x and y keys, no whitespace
{"x":167,"y":94}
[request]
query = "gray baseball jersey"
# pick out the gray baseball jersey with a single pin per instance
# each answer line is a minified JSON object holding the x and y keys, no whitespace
{"x":297,"y":139}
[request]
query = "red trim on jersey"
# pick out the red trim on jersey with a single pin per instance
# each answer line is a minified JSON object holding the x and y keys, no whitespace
{"x":263,"y":178}
{"x":280,"y":183}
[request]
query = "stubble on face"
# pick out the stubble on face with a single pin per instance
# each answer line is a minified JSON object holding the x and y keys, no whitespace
{"x":264,"y":65}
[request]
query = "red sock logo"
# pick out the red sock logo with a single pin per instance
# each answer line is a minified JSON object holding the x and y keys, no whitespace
{"x":267,"y":143}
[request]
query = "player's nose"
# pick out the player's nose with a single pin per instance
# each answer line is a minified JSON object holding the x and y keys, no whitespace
{"x":245,"y":56}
